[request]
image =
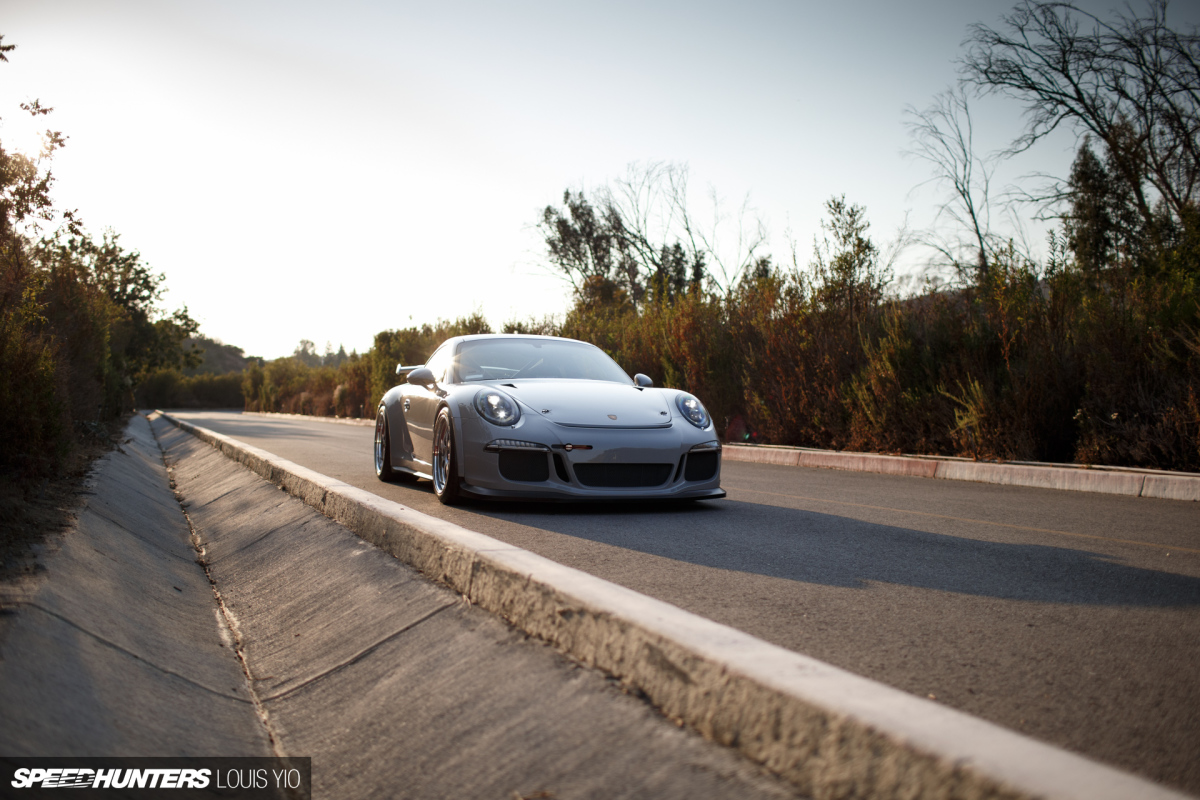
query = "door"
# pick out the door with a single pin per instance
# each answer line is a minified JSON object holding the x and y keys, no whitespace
{"x":423,"y":405}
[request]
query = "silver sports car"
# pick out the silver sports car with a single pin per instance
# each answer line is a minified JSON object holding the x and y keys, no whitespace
{"x":510,"y":416}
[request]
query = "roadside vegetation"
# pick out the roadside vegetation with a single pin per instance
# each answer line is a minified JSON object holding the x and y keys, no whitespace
{"x":80,"y":327}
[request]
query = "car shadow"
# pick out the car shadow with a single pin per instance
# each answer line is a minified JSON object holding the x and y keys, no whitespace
{"x":827,"y":549}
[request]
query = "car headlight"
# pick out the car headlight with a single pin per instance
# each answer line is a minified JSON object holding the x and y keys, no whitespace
{"x":497,"y":407}
{"x":692,"y":410}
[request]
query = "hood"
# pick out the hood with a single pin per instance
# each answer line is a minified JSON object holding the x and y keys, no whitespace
{"x":591,"y":404}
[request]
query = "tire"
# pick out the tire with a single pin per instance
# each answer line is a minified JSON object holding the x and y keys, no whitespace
{"x":445,"y":470}
{"x":383,"y":448}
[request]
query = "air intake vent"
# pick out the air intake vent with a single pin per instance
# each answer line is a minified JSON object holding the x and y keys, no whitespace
{"x":522,"y":465}
{"x":623,"y":475}
{"x":700,"y":466}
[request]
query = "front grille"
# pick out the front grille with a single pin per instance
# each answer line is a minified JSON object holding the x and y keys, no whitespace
{"x":524,"y":465}
{"x":700,"y":466}
{"x":623,"y":475}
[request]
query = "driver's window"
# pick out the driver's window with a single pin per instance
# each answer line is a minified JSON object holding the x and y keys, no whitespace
{"x":438,"y":363}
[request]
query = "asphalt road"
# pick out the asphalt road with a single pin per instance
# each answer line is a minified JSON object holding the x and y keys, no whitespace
{"x":1071,"y":617}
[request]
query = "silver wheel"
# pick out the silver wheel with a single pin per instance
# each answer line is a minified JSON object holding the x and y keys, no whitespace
{"x":445,"y":476}
{"x":441,"y":456}
{"x":383,"y":467}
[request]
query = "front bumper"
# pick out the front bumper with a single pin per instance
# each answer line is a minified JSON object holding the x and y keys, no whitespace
{"x":590,"y":464}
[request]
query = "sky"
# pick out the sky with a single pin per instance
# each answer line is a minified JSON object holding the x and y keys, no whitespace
{"x":325,"y":171}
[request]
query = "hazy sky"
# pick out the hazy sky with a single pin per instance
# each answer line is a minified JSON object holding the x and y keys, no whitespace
{"x":329,"y":170}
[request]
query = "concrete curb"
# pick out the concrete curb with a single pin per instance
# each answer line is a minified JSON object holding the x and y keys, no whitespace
{"x":829,"y":732}
{"x":1134,"y":483}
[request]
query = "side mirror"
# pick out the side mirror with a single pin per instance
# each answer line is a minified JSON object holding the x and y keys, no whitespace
{"x":642,"y":380}
{"x":421,"y":376}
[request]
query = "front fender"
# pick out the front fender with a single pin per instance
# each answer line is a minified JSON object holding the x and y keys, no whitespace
{"x":461,"y":417}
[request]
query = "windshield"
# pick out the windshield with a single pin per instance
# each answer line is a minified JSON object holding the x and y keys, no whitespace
{"x":509,"y":359}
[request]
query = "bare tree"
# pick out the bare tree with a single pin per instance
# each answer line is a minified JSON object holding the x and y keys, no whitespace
{"x":638,"y":239}
{"x":942,"y":135}
{"x":1133,"y":83}
{"x":647,"y":209}
{"x":652,"y":200}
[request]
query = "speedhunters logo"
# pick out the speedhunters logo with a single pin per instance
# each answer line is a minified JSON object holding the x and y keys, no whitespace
{"x":74,"y":778}
{"x":234,"y":778}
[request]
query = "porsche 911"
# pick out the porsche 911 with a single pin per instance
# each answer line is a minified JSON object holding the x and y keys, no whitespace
{"x":514,"y":416}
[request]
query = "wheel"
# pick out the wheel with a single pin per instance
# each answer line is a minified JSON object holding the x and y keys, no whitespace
{"x":445,"y":471}
{"x":383,"y":448}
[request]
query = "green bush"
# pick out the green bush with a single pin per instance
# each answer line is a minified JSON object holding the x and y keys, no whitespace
{"x":33,"y":416}
{"x":170,"y":388}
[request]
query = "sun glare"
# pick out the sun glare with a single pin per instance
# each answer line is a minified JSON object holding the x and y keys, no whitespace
{"x":22,"y":134}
